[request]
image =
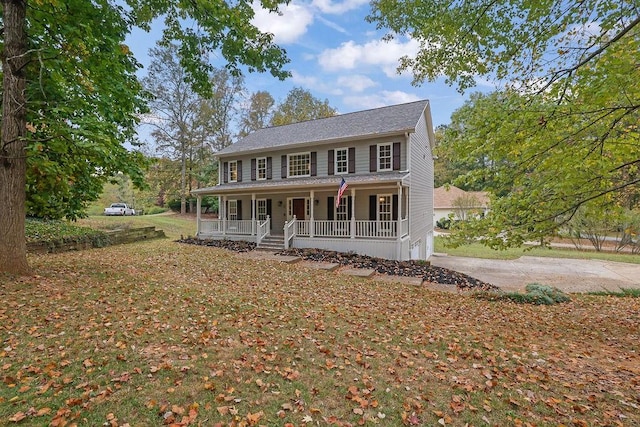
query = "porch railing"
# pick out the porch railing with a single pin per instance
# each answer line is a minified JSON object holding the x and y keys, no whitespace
{"x":404,"y":227}
{"x":372,"y":229}
{"x":290,"y":229}
{"x":263,"y":229}
{"x":243,"y":226}
{"x":210,"y":226}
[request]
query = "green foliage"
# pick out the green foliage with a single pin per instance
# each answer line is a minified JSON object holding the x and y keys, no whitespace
{"x":535,"y":293}
{"x":623,"y":293}
{"x":563,"y":131}
{"x":444,"y":223}
{"x":300,"y":106}
{"x":39,"y":230}
{"x":79,"y":70}
{"x":154,"y":210}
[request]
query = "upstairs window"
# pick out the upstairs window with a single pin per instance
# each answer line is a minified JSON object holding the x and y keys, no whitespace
{"x":299,"y":164}
{"x":233,"y":171}
{"x":261,"y":168}
{"x":342,"y":161}
{"x":384,"y":157}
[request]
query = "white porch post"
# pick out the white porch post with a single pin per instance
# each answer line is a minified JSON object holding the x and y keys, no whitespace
{"x":353,"y":213}
{"x":198,"y":210}
{"x":253,"y":214}
{"x":224,"y":215}
{"x":312,"y":203}
{"x":399,"y":224}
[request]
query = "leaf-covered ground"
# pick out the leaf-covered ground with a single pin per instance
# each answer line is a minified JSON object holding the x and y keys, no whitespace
{"x":164,"y":333}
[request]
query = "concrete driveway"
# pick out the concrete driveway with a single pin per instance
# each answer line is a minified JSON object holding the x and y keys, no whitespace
{"x":569,"y":275}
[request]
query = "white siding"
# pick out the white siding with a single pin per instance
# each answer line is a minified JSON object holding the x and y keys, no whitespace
{"x":421,"y":188}
{"x":362,"y":157}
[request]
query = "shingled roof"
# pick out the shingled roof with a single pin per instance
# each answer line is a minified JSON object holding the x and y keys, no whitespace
{"x":369,"y":123}
{"x":445,"y":197}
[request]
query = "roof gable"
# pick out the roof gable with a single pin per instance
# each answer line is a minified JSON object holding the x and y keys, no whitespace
{"x":444,"y":197}
{"x":369,"y":123}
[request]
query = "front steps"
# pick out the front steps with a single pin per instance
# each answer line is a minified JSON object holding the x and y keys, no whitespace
{"x":272,"y":243}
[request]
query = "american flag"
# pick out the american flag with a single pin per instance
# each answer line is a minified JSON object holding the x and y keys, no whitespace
{"x":343,"y":187}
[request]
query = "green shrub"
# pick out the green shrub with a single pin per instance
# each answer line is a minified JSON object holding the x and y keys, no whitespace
{"x":155,"y":210}
{"x":535,"y":293}
{"x":55,"y":232}
{"x":631,"y":293}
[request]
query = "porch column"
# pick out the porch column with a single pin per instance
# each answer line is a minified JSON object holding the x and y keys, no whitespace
{"x":224,"y":215}
{"x":399,"y":223}
{"x":312,"y":202}
{"x":198,"y":210}
{"x":353,"y":213}
{"x":399,"y":210}
{"x":253,"y":214}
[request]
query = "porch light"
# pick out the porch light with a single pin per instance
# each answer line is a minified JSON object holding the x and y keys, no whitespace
{"x":280,"y":203}
{"x":317,"y":202}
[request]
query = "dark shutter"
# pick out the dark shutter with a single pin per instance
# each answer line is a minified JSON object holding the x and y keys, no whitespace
{"x":269,"y":166}
{"x":226,"y":210}
{"x":373,"y":158}
{"x":269,"y":208}
{"x":394,"y":207}
{"x":253,"y":169}
{"x":239,"y":163}
{"x":225,"y":172}
{"x":314,"y":163}
{"x":373,"y":207}
{"x":352,"y":160}
{"x":330,"y":203}
{"x":239,"y":204}
{"x":283,"y":166}
{"x":396,"y":156}
{"x":349,"y":207}
{"x":331,"y":162}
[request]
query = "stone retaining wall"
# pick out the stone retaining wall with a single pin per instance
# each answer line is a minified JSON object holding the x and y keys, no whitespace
{"x":113,"y":237}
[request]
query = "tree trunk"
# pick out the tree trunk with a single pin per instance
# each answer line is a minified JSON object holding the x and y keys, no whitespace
{"x":13,"y":165}
{"x":183,"y":181}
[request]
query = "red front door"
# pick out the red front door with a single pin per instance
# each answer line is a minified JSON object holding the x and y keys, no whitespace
{"x":299,"y":208}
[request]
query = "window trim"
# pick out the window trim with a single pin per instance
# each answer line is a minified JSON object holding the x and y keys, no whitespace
{"x":233,"y":162}
{"x":234,"y":203}
{"x":346,"y":161}
{"x":379,"y":157}
{"x":379,"y":203}
{"x":258,"y":159}
{"x":303,"y":153}
{"x":262,"y":202}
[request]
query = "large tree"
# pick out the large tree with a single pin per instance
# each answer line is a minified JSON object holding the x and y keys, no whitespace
{"x":70,"y":98}
{"x":300,"y":105}
{"x":188,"y":126}
{"x":257,"y":114}
{"x":564,"y":131}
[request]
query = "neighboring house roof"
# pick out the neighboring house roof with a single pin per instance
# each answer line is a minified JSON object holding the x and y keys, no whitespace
{"x":326,"y":181}
{"x":395,"y":119}
{"x":445,"y":196}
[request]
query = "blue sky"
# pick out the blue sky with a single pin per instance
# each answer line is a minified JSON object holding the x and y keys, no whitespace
{"x":338,"y":56}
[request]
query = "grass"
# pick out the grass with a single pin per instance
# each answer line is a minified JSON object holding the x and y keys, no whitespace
{"x":172,"y":224}
{"x":476,"y":250}
{"x":156,"y":331}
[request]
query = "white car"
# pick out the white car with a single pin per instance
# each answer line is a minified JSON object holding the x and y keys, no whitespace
{"x":120,"y":209}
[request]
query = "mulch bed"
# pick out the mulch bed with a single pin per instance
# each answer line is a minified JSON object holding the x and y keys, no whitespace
{"x":428,"y":272}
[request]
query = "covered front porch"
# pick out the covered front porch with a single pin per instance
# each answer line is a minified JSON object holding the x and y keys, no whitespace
{"x":370,"y":217}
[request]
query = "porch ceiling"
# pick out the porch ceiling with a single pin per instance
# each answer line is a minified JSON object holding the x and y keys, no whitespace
{"x":325,"y":183}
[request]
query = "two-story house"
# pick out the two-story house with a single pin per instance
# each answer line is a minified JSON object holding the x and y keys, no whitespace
{"x":283,"y":182}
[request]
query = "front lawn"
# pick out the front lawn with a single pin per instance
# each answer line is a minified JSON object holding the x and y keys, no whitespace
{"x":159,"y":332}
{"x":476,"y":250}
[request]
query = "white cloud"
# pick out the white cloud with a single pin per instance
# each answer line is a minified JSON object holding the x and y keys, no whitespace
{"x":356,"y":82}
{"x":350,"y":55}
{"x":288,"y":26}
{"x":335,"y":8}
{"x":332,"y":25}
{"x":313,"y":83}
{"x":380,"y":99}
